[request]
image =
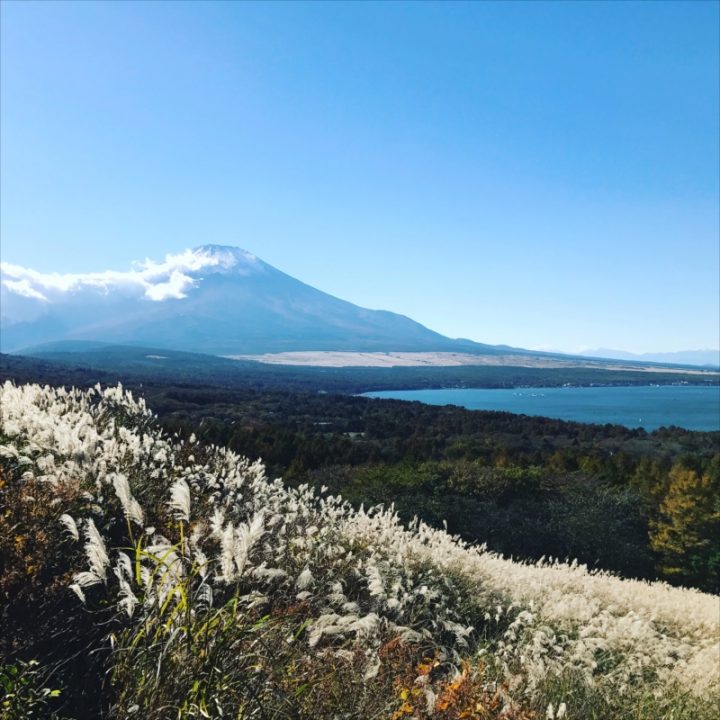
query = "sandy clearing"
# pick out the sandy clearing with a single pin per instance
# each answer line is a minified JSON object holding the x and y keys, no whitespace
{"x":339,"y":359}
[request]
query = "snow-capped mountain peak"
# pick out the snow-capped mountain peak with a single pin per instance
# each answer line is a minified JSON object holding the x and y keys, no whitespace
{"x":212,"y":298}
{"x":226,"y":258}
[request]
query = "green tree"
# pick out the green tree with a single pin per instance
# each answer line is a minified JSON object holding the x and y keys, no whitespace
{"x":686,"y":531}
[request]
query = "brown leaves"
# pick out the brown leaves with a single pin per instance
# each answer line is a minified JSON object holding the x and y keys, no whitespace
{"x":440,"y":692}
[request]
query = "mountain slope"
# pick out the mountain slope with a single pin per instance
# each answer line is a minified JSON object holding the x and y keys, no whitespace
{"x":212,"y":299}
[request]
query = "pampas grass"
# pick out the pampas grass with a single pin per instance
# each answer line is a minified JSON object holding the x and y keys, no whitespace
{"x":229,"y":591}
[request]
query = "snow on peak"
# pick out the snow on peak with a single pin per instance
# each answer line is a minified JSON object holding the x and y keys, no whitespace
{"x":171,"y":278}
{"x":225,"y":252}
{"x":227,"y":257}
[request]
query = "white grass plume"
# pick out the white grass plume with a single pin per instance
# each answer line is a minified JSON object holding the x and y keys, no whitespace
{"x":305,"y":580}
{"x":245,"y":538}
{"x":75,"y":587}
{"x":70,"y":525}
{"x":131,"y":507}
{"x":180,"y":499}
{"x":95,"y":551}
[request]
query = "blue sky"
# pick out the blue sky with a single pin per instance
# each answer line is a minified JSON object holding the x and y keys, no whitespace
{"x":536,"y":174}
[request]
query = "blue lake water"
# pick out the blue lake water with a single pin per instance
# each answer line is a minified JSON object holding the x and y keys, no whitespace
{"x":650,"y":407}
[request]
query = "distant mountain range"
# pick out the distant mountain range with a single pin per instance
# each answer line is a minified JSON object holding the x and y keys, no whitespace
{"x":212,"y":299}
{"x":702,"y":358}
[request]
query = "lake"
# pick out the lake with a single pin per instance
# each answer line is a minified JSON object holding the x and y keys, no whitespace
{"x":650,"y":407}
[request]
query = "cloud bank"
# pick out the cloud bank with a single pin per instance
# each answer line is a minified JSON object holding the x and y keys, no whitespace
{"x":156,"y":281}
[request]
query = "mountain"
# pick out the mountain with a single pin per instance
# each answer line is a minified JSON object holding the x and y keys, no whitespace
{"x":212,"y":299}
{"x":702,"y":358}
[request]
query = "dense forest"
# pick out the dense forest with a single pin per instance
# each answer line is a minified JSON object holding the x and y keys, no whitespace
{"x":641,"y":504}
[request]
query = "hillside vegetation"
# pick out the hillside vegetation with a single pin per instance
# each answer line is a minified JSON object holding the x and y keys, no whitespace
{"x":642,"y":504}
{"x":146,"y":576}
{"x":626,"y":500}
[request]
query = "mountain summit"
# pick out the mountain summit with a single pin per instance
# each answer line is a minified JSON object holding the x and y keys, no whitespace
{"x":213,"y":299}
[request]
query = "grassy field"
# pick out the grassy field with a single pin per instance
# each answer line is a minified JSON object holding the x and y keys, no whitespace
{"x":147,"y":576}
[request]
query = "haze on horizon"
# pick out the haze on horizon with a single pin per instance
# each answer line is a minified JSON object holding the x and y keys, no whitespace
{"x":542,"y":175}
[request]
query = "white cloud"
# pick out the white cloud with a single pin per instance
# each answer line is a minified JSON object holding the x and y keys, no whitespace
{"x":176,"y":287}
{"x":156,"y":281}
{"x":24,"y":288}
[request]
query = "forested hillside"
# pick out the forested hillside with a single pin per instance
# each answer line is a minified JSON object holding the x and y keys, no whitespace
{"x":641,"y":504}
{"x":145,"y":575}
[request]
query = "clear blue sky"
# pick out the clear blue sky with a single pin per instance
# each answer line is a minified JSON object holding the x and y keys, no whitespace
{"x":542,"y":175}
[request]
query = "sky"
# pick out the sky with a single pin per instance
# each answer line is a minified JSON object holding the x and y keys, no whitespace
{"x":543,"y":175}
